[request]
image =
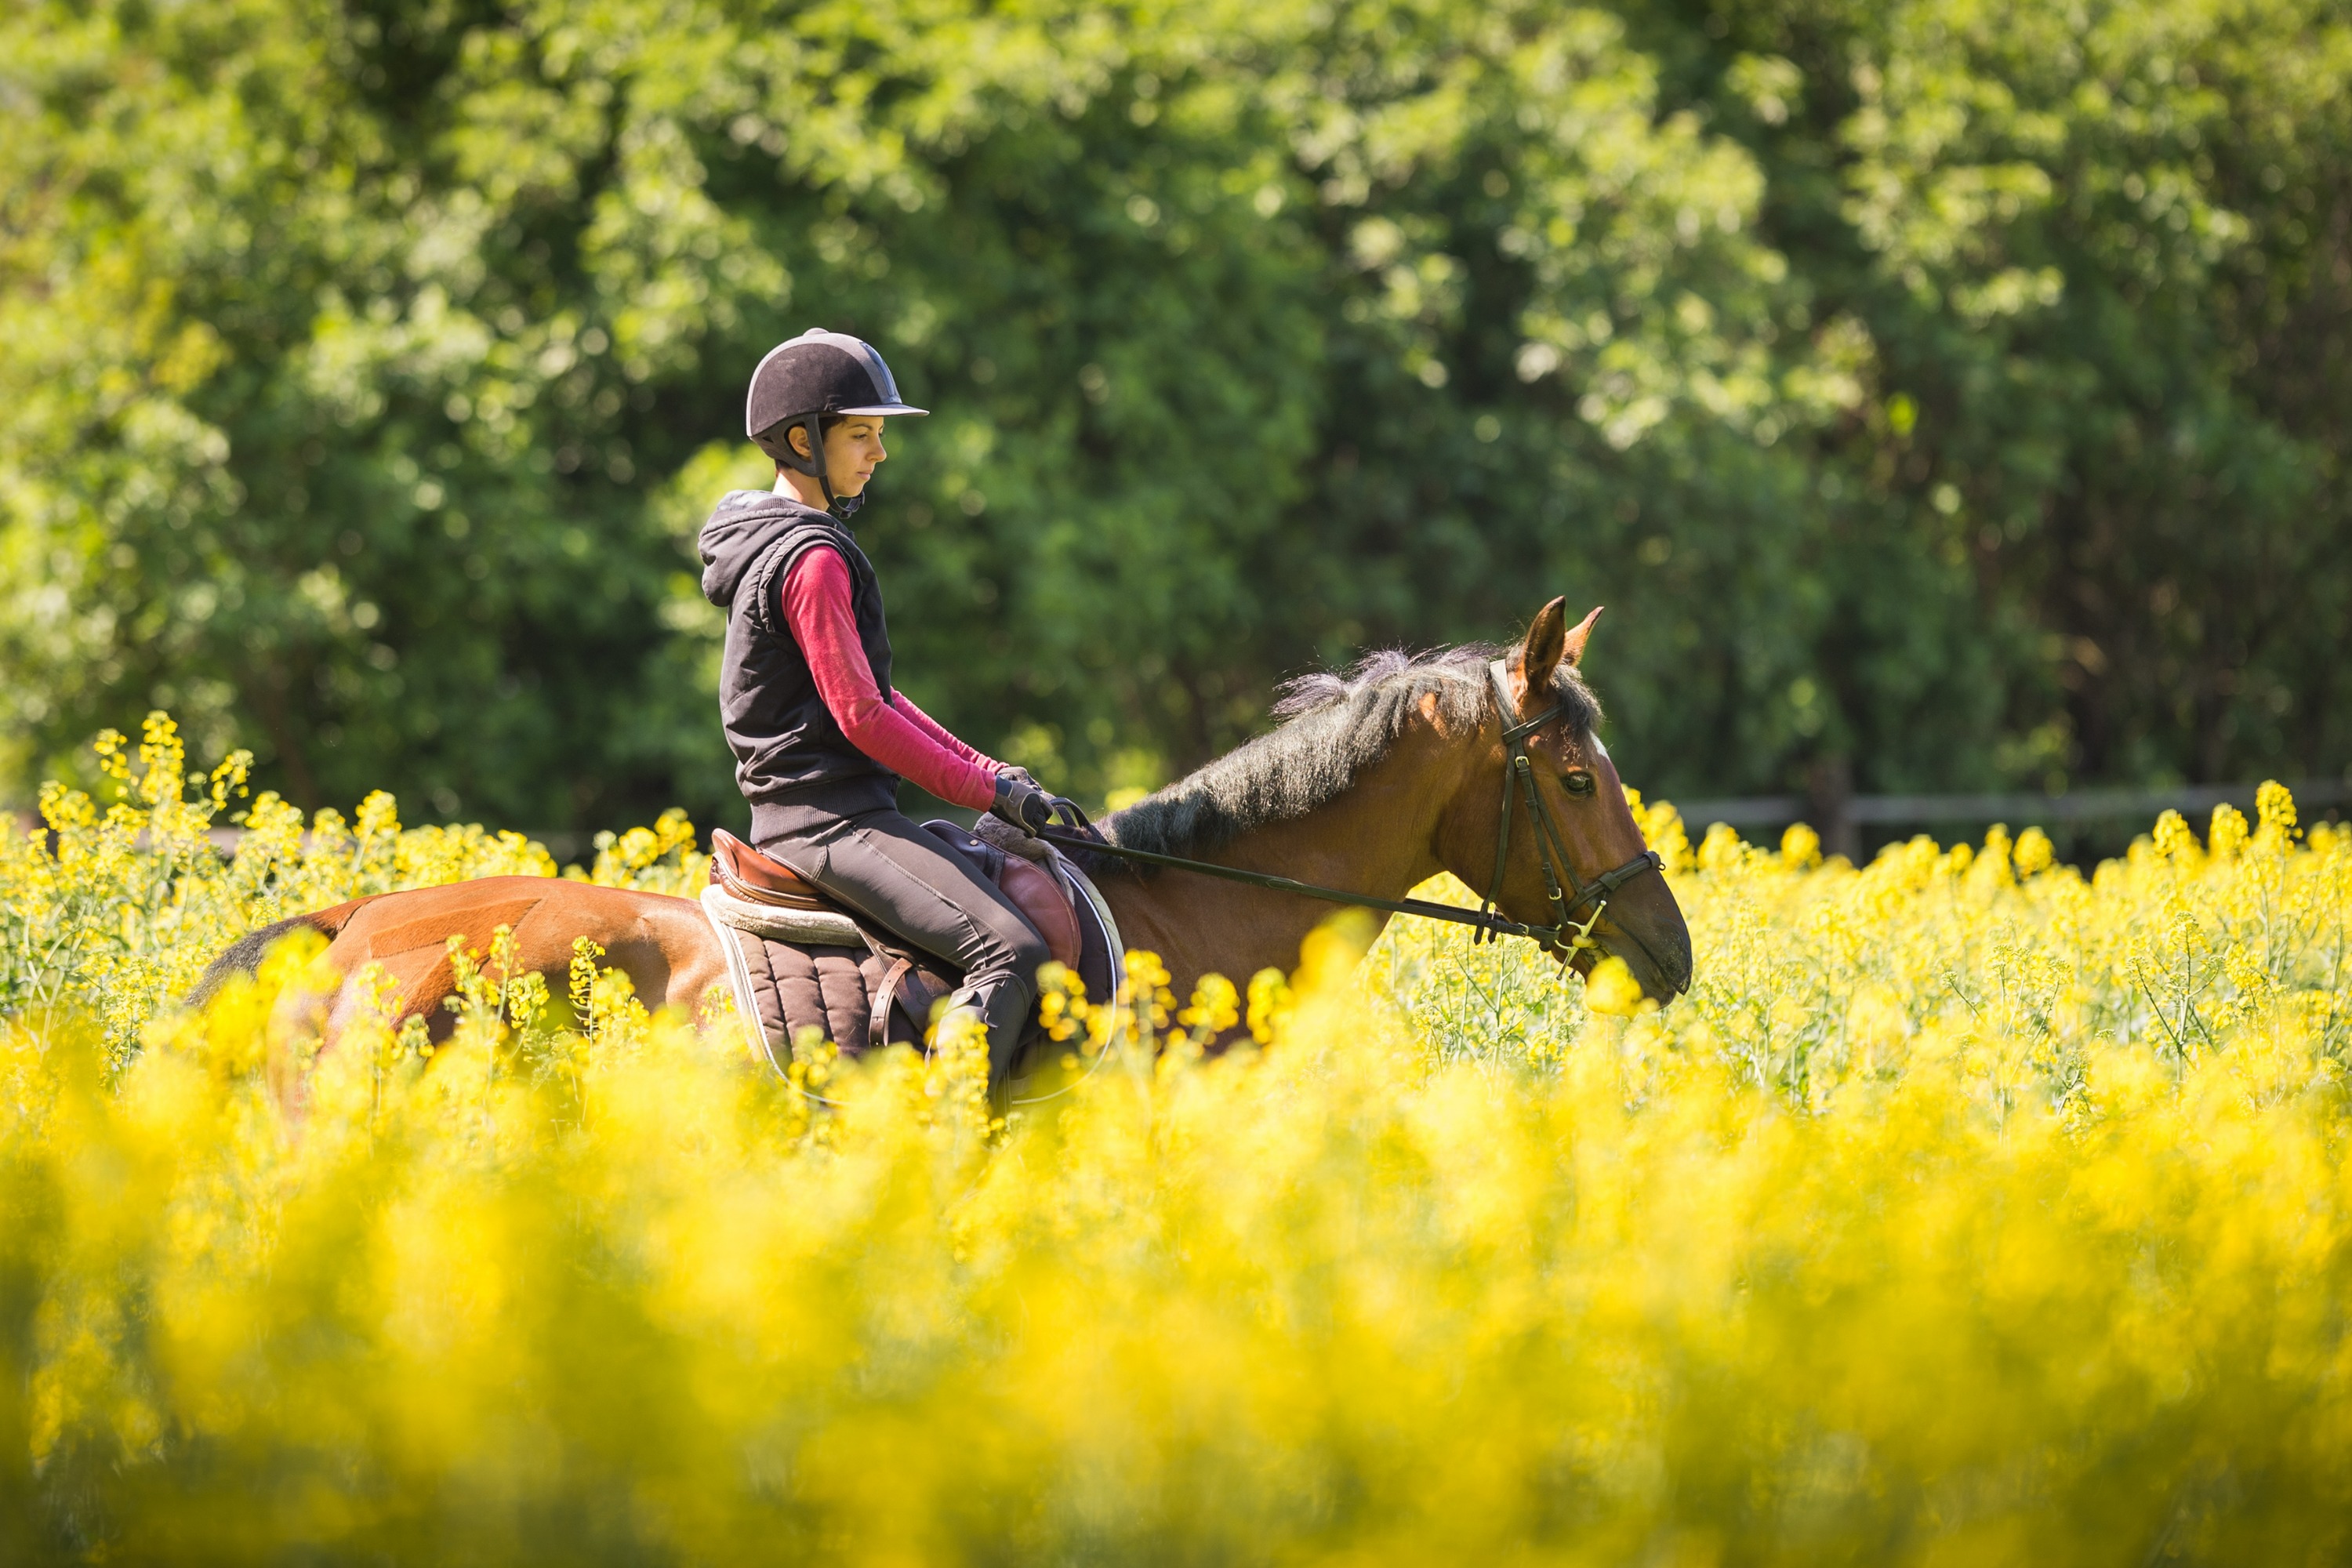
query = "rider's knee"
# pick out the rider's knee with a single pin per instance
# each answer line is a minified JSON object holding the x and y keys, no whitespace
{"x":1024,"y":955}
{"x":1029,"y":955}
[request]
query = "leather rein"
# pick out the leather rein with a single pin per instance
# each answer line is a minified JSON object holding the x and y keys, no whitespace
{"x":1486,"y":921}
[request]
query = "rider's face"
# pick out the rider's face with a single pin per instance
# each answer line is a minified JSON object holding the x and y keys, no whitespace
{"x":853,"y":449}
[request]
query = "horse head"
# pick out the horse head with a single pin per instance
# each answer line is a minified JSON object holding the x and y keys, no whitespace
{"x":1592,"y":824}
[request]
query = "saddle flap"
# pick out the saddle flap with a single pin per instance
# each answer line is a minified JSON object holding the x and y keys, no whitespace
{"x":1036,"y":892}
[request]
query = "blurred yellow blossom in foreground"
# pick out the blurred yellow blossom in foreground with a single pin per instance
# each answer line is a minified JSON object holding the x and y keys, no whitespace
{"x":1967,"y":1211}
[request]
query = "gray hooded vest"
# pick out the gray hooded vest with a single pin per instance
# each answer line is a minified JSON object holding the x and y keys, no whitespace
{"x":792,"y":760}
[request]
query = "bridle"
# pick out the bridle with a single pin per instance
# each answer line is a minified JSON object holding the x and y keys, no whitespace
{"x":1551,"y":848}
{"x":1486,"y":921}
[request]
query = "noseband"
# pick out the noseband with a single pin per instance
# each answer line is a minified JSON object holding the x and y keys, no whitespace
{"x":1487,"y":923}
{"x":1551,"y":848}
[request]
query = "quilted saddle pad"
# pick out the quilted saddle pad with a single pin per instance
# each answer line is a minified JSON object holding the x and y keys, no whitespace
{"x":858,"y":985}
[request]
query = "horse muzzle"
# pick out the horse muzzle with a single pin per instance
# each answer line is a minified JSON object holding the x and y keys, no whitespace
{"x":1644,"y":926}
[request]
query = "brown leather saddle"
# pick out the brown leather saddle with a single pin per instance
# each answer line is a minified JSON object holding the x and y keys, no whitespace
{"x":758,"y":879}
{"x":748,"y":874}
{"x":857,"y":982}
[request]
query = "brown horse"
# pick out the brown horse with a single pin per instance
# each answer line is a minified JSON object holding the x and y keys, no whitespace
{"x":1377,"y":782}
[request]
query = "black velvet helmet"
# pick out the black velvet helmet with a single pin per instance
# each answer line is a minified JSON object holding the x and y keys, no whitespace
{"x":807,"y":380}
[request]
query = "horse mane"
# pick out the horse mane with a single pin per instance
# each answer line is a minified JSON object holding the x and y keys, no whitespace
{"x":1334,"y":726}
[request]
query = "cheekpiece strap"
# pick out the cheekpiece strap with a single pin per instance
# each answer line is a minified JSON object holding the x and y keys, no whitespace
{"x":1514,"y":768}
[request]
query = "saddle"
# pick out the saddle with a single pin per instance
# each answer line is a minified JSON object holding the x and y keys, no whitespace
{"x":799,"y":960}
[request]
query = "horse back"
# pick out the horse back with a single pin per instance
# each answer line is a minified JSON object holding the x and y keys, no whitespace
{"x":662,"y":943}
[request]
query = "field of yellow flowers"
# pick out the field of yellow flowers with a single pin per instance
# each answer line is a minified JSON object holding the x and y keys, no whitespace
{"x":1969,"y":1210}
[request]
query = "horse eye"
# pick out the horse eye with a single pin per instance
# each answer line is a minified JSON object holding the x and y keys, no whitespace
{"x":1577,"y":782}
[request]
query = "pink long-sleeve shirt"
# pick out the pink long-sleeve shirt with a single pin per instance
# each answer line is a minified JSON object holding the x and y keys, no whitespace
{"x":901,"y":736}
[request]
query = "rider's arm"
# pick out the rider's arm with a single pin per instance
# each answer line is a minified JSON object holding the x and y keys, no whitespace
{"x":815,"y":603}
{"x":939,"y":732}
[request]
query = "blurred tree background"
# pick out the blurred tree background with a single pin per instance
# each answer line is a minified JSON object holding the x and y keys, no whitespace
{"x":1953,"y":393}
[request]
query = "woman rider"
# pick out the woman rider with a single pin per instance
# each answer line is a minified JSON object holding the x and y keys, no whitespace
{"x":821,"y":737}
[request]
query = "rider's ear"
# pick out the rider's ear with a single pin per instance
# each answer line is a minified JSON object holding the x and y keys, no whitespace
{"x":1577,"y":634}
{"x":1546,"y":641}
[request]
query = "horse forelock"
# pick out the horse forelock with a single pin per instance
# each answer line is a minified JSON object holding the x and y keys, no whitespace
{"x":1335,"y":725}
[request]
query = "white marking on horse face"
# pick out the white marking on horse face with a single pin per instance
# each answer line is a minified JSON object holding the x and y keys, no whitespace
{"x":1599,"y":751}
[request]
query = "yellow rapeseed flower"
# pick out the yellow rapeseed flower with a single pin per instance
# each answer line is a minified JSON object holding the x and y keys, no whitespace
{"x":1969,"y":1208}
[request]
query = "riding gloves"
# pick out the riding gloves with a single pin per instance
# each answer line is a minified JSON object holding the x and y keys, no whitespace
{"x":1020,"y":802}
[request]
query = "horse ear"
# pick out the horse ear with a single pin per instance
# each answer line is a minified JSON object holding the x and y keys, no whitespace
{"x":1578,"y":633}
{"x":1546,"y":641}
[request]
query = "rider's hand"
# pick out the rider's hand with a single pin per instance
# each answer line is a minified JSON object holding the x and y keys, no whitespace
{"x":1020,"y":802}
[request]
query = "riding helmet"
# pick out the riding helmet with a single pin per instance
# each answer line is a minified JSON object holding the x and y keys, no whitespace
{"x":808,"y":379}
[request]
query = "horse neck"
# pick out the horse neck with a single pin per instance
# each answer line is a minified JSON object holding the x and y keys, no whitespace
{"x":1379,"y":837}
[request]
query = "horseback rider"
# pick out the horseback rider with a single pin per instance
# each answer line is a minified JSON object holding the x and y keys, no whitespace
{"x":820,"y":735}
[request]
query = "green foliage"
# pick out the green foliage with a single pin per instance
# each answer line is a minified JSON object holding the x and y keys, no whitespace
{"x":1953,"y":388}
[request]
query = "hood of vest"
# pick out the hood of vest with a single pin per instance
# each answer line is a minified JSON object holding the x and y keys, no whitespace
{"x":741,"y":527}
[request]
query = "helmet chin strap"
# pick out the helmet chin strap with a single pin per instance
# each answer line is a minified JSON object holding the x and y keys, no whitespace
{"x":840,"y":506}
